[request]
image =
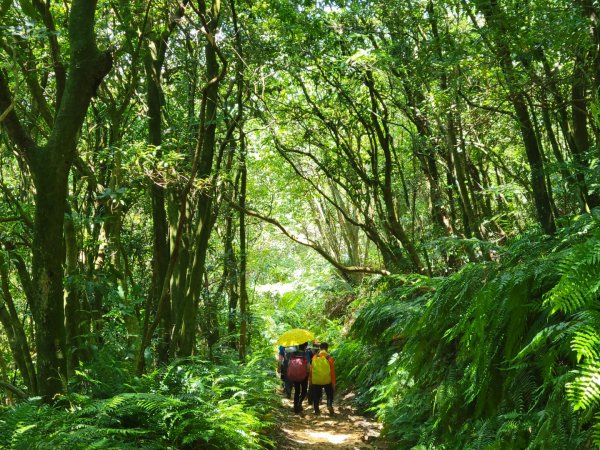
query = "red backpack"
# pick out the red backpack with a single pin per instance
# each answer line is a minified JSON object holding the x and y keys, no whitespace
{"x":297,"y":368}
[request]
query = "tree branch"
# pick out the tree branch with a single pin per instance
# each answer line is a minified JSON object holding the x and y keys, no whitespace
{"x":486,"y":108}
{"x":10,"y":121}
{"x":15,"y":390}
{"x":9,"y":219}
{"x":43,"y":9}
{"x":22,"y":214}
{"x":311,"y":244}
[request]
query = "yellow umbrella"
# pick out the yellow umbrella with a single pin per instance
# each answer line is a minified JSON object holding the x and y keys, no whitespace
{"x":294,"y":337}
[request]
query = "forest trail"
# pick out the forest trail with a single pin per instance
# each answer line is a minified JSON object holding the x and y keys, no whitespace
{"x":346,"y":430}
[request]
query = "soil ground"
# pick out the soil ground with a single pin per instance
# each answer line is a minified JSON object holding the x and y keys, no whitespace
{"x":345,"y":430}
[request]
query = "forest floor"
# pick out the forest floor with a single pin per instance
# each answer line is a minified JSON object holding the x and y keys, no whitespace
{"x":347,"y":429}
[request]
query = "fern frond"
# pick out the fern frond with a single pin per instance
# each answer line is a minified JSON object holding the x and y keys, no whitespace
{"x":596,"y":431}
{"x":580,"y":280}
{"x":584,"y":390}
{"x":548,"y":334}
{"x":586,"y":343}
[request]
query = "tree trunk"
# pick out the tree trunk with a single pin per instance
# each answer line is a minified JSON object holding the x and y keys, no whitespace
{"x":14,"y":331}
{"x":591,"y":13}
{"x":179,"y":278}
{"x":579,"y":114}
{"x":230,"y":276}
{"x":495,"y":20}
{"x":160,"y":249}
{"x":49,"y":166}
{"x":244,"y":310}
{"x":460,"y":177}
{"x":75,"y":322}
{"x":385,"y":141}
{"x":204,"y":204}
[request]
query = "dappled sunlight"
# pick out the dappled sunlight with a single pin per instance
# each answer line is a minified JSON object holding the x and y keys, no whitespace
{"x":345,"y":430}
{"x":329,"y":436}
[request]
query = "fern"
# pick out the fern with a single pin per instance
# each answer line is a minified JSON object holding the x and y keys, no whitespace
{"x":580,"y":281}
{"x":584,"y":390}
{"x":487,"y":357}
{"x":189,"y":404}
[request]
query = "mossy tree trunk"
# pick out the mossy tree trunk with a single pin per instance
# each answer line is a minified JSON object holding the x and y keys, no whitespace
{"x":49,"y":165}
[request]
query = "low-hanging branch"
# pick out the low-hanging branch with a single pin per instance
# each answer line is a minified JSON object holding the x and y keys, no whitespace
{"x":311,"y":244}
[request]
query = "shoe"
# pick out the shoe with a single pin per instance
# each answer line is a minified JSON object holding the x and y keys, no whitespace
{"x":331,"y":410}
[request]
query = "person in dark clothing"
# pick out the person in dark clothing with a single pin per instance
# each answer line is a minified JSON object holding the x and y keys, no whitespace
{"x":310,"y":352}
{"x":287,"y":383}
{"x":280,"y":360}
{"x":314,"y":349}
{"x":301,"y":387}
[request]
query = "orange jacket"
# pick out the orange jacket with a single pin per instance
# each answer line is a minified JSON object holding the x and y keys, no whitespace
{"x":331,"y":366}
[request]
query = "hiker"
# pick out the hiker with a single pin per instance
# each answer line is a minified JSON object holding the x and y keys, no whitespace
{"x":297,"y":372}
{"x":322,"y":376}
{"x":311,"y":352}
{"x":280,"y":360}
{"x":287,"y":384}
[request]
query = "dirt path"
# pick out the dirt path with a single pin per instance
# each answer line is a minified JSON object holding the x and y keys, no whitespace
{"x":346,"y":430}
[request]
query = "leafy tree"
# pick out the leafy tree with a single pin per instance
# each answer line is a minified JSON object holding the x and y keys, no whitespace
{"x":49,"y":165}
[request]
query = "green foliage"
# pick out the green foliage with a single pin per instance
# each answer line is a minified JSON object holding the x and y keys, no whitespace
{"x":188,"y":404}
{"x":486,"y":358}
{"x":576,"y":297}
{"x":300,"y":304}
{"x":580,"y":281}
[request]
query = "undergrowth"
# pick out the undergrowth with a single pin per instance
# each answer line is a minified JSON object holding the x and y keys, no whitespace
{"x":503,"y":354}
{"x":189,"y":404}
